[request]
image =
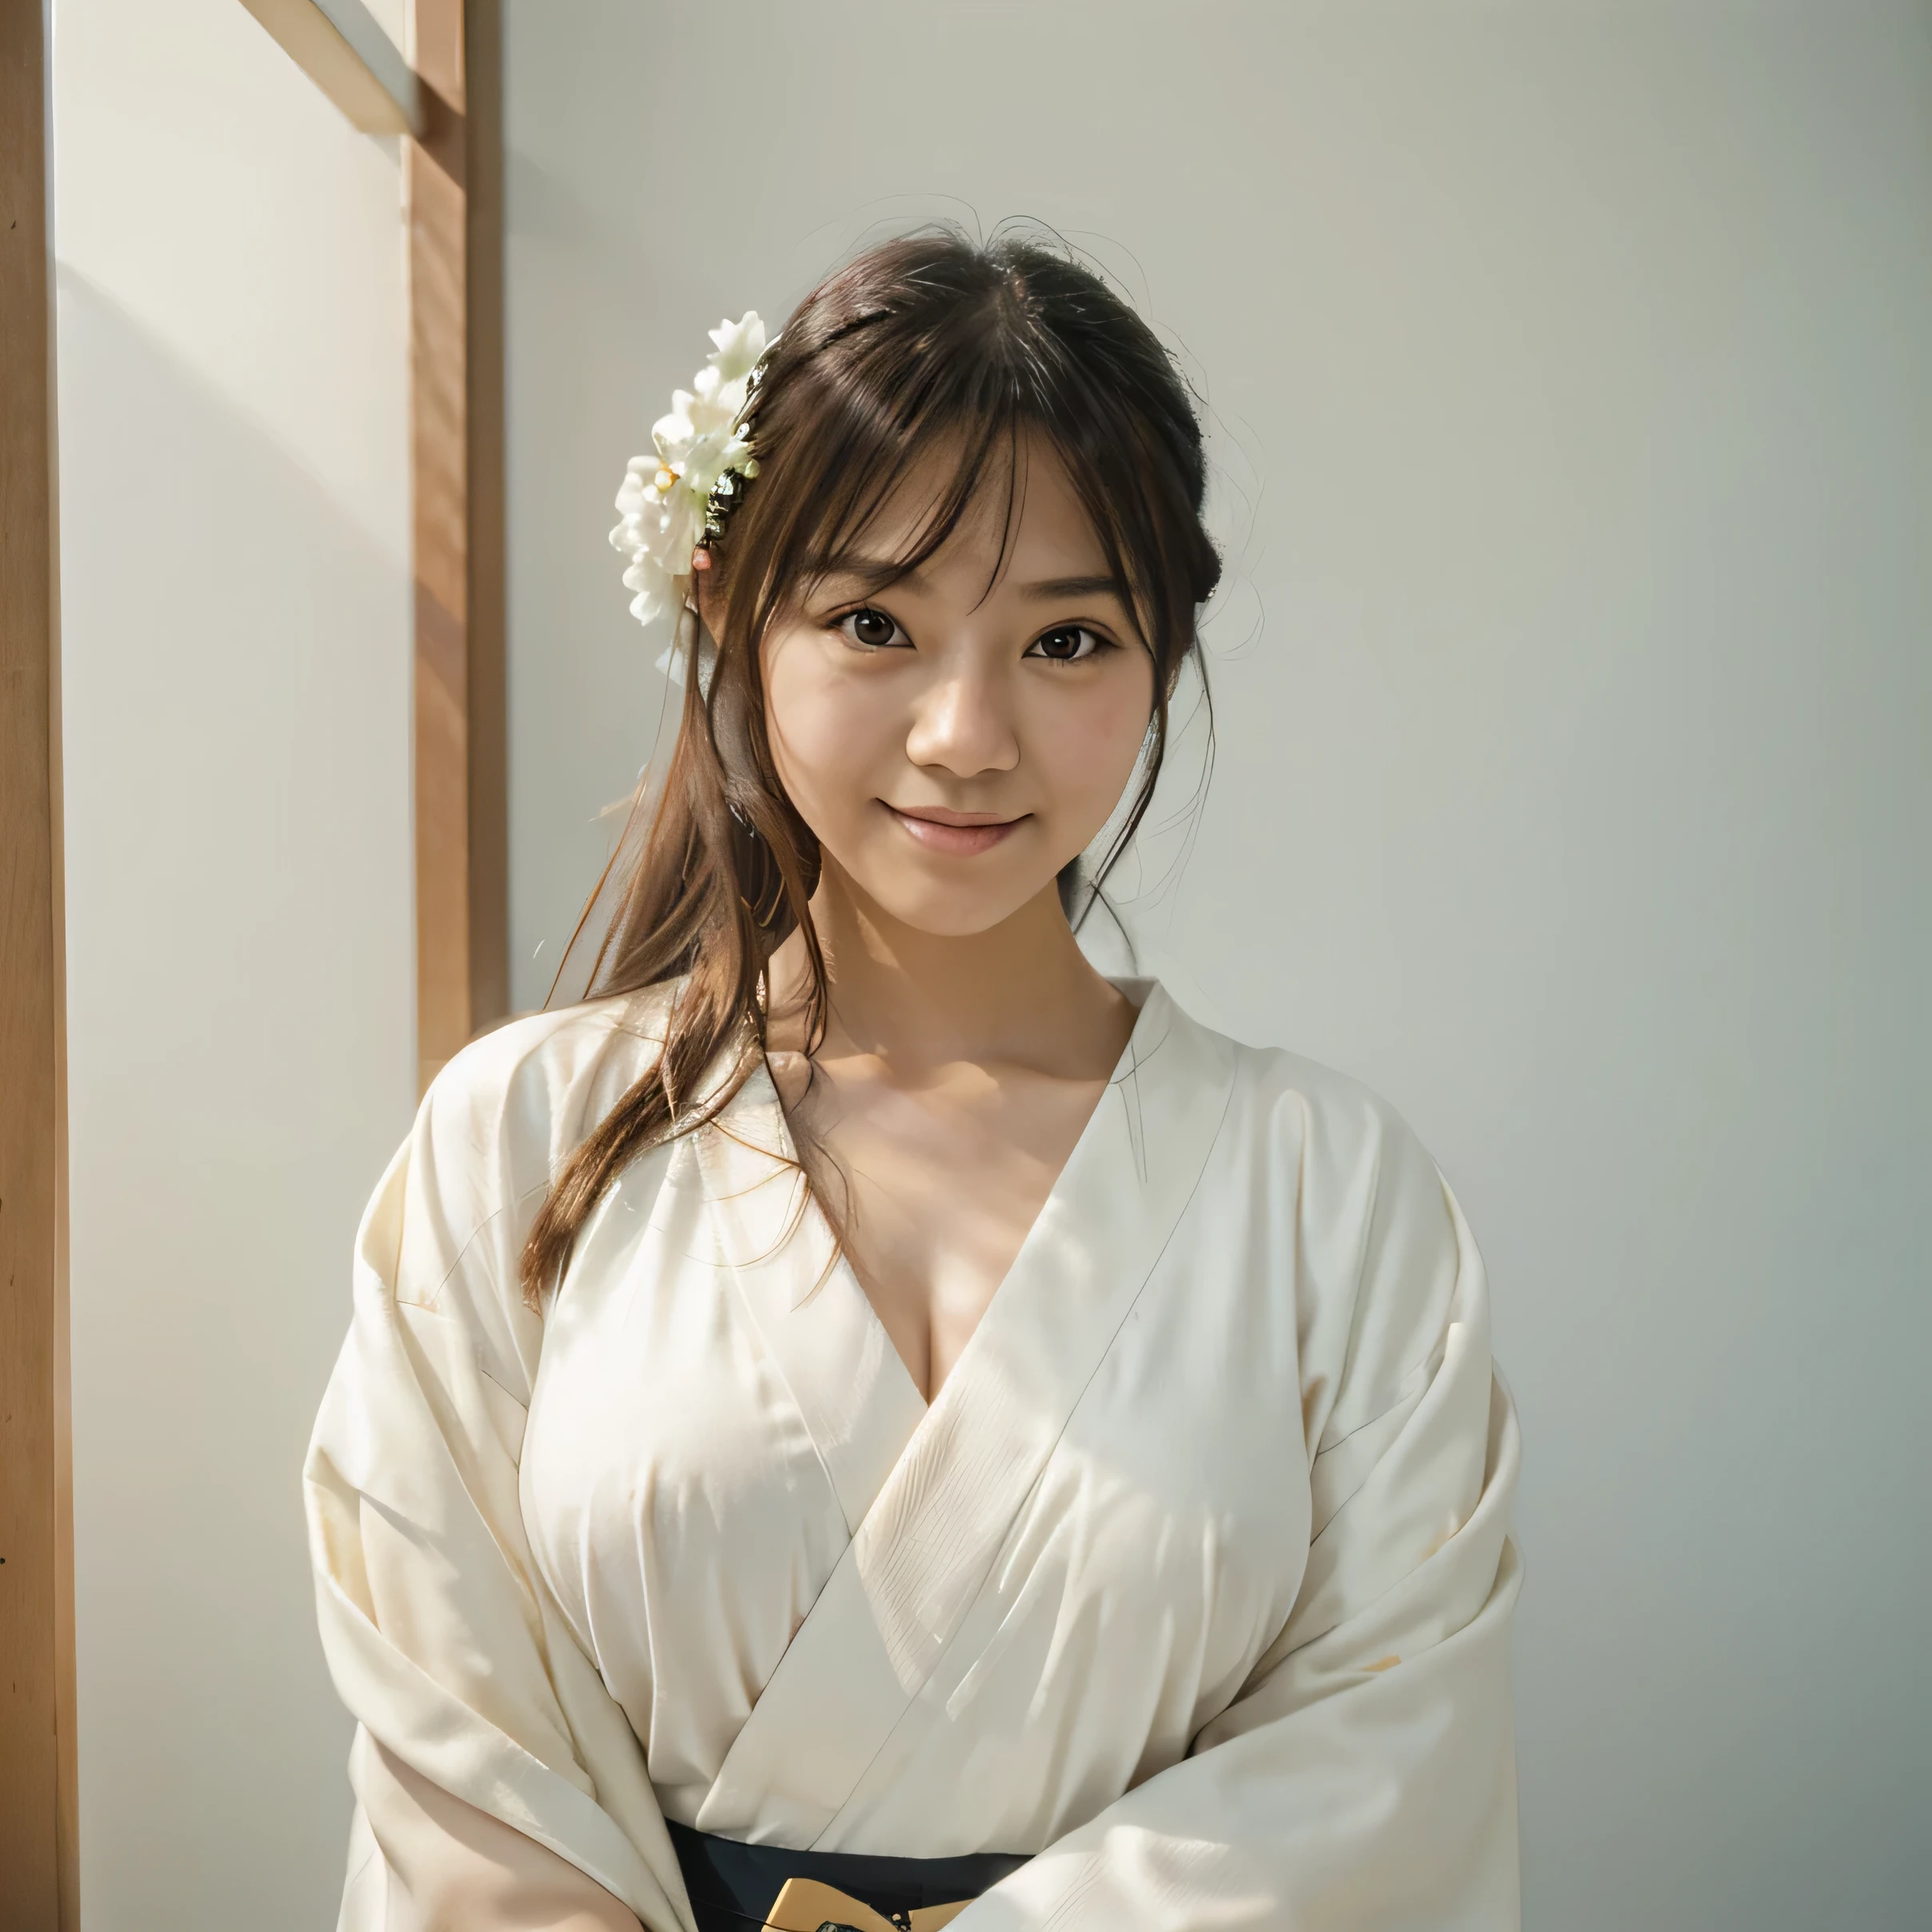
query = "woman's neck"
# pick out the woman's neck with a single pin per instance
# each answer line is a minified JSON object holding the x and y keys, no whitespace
{"x":1019,"y":994}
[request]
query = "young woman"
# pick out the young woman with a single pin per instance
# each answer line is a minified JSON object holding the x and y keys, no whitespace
{"x":867,"y":1414}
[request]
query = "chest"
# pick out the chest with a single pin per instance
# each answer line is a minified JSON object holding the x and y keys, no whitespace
{"x":936,"y":1189}
{"x":710,"y":1438}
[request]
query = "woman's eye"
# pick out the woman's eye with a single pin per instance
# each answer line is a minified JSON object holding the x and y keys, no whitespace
{"x":1067,"y":645}
{"x":872,"y":627}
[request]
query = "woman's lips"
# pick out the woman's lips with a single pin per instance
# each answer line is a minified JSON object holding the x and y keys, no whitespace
{"x":959,"y":834}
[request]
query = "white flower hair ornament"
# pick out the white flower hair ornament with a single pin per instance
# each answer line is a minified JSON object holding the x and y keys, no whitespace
{"x":671,"y":500}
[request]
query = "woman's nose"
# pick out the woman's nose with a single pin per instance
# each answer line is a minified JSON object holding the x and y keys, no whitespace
{"x":964,"y":724}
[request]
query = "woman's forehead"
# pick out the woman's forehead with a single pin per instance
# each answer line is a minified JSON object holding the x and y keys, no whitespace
{"x":1024,"y":522}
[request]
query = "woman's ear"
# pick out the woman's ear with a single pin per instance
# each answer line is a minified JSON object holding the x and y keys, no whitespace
{"x":705,"y":593}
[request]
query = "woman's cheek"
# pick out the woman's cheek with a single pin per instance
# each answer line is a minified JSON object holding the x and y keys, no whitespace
{"x":825,"y":737}
{"x":1094,"y":746}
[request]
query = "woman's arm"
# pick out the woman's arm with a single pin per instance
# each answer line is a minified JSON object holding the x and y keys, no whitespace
{"x":492,"y":1763}
{"x":452,"y":1868}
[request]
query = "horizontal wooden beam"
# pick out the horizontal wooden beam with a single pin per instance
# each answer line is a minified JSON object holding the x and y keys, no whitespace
{"x":340,"y":46}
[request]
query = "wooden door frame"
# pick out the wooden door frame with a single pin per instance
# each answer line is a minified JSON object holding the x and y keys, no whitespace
{"x":446,"y":107}
{"x":453,"y":189}
{"x":38,"y":1853}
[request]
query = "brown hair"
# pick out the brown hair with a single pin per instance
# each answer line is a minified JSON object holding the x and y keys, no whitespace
{"x":929,"y":341}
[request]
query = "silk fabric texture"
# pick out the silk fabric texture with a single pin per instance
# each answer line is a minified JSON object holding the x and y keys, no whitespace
{"x":1194,"y":1581}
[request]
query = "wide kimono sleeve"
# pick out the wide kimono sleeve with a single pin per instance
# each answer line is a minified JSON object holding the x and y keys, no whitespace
{"x":1364,"y":1780}
{"x":484,"y":1732}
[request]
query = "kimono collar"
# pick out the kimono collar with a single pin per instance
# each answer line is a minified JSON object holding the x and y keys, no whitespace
{"x":932,"y":1493}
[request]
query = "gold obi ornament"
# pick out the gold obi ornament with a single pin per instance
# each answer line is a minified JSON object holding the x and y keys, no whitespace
{"x":805,"y":1905}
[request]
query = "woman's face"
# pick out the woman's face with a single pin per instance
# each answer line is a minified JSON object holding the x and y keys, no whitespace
{"x":953,"y":745}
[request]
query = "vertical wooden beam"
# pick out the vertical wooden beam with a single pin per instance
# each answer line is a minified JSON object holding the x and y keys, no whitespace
{"x":432,"y":189}
{"x":490,"y":866}
{"x":37,"y":1861}
{"x":455,"y":442}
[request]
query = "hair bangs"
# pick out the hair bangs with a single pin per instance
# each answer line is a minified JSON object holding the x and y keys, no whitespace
{"x":966,"y":434}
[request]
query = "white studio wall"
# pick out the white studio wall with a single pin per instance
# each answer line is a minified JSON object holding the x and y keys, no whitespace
{"x":236,"y":611}
{"x":1571,"y":367}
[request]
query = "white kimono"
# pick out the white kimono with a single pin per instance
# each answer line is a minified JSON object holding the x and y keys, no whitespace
{"x":1194,"y":1581}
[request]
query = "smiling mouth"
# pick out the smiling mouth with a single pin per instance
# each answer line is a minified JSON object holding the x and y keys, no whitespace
{"x":959,"y":834}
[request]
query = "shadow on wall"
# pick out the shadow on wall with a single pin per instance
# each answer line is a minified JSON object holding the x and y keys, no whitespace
{"x":236,"y":674}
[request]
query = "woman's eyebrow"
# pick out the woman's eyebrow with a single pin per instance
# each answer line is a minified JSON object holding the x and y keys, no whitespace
{"x":875,"y":572}
{"x":1073,"y":587}
{"x":880,"y":572}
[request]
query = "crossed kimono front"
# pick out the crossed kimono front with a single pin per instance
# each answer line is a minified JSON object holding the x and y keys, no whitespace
{"x":1192,"y":1584}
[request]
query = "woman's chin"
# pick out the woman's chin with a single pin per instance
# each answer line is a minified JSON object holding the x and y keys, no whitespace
{"x":950,"y":909}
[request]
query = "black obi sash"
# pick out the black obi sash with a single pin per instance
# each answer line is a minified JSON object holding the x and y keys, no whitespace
{"x":733,"y":1887}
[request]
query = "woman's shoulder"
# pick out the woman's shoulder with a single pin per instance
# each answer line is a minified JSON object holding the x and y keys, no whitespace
{"x":1361,"y":1171}
{"x":1282,"y":1104}
{"x":1375,"y":1251}
{"x":1355,"y":1174}
{"x":623,"y":1031}
{"x":1335,"y":1110}
{"x":523,"y":1095}
{"x":447,"y":1222}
